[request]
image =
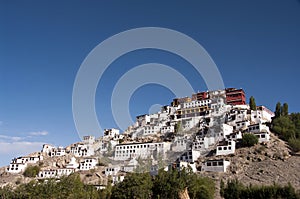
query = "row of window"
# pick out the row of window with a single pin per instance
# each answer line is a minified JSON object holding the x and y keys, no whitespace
{"x":137,"y":146}
{"x":224,"y":148}
{"x":218,"y":163}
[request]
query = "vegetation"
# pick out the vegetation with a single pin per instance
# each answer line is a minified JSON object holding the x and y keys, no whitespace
{"x":31,"y":171}
{"x":287,"y":126}
{"x":66,"y":187}
{"x":249,"y":140}
{"x":135,"y":185}
{"x":236,"y":190}
{"x":252,"y":103}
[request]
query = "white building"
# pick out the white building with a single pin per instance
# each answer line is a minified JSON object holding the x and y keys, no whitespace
{"x":55,"y":173}
{"x":16,"y":167}
{"x":64,"y":172}
{"x":80,"y":149}
{"x":151,"y":129}
{"x":215,"y":165}
{"x":73,"y":164}
{"x":60,"y":151}
{"x":47,"y":173}
{"x":88,"y":139}
{"x":88,"y":163}
{"x":189,"y":156}
{"x":142,"y":150}
{"x":226,"y":148}
{"x":47,"y":148}
{"x":167,"y":129}
{"x":263,"y":137}
{"x":234,"y":136}
{"x":142,"y":120}
{"x":196,"y":103}
{"x":110,"y":133}
{"x":257,"y":128}
{"x":111,"y":171}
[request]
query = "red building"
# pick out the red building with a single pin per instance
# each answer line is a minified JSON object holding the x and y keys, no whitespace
{"x":200,"y":96}
{"x":235,"y":96}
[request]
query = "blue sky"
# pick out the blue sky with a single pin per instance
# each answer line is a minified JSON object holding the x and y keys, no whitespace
{"x":255,"y":44}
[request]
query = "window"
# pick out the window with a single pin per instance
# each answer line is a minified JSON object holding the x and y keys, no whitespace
{"x":208,"y":164}
{"x":220,"y":163}
{"x":263,"y":136}
{"x":225,"y":147}
{"x":220,"y":148}
{"x":214,"y":163}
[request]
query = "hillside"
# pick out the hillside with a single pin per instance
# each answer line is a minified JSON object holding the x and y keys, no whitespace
{"x":263,"y":164}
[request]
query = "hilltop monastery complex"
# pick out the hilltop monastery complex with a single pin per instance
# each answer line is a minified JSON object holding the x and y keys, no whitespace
{"x":208,"y":123}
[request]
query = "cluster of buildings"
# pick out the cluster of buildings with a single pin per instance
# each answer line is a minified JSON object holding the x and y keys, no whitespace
{"x":177,"y":135}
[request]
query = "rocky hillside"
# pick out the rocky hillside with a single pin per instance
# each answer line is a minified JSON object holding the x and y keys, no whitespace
{"x":262,"y":164}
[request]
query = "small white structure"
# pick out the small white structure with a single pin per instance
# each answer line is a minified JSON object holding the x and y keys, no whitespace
{"x":60,"y":151}
{"x":80,"y":149}
{"x":167,"y":129}
{"x":110,"y":133}
{"x":189,"y":156}
{"x":263,"y":137}
{"x":19,"y":164}
{"x":88,"y":163}
{"x":226,"y":148}
{"x":73,"y":164}
{"x":215,"y":165}
{"x":235,"y":136}
{"x":88,"y":139}
{"x":111,"y":171}
{"x":64,"y":172}
{"x":16,"y":167}
{"x":55,"y":173}
{"x":257,"y":128}
{"x":47,"y":173}
{"x":142,"y":120}
{"x":47,"y":148}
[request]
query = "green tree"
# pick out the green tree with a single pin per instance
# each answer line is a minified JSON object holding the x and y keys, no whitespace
{"x":31,"y":171}
{"x":278,"y":110}
{"x":135,"y":185}
{"x":252,"y":103}
{"x":294,"y":144}
{"x":285,"y":110}
{"x":249,"y":140}
{"x":284,"y":127}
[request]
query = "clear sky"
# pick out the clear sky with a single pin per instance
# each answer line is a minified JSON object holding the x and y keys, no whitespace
{"x":255,"y":44}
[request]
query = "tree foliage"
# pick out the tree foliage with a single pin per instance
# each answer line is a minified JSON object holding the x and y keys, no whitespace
{"x":252,"y":103}
{"x":135,"y":185}
{"x":249,"y":140}
{"x":66,"y":187}
{"x":31,"y":171}
{"x":278,"y":110}
{"x":287,"y":126}
{"x":236,"y":190}
{"x":165,"y":185}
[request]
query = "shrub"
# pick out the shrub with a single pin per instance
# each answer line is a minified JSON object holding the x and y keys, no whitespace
{"x":31,"y":171}
{"x":249,"y":140}
{"x":294,"y":144}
